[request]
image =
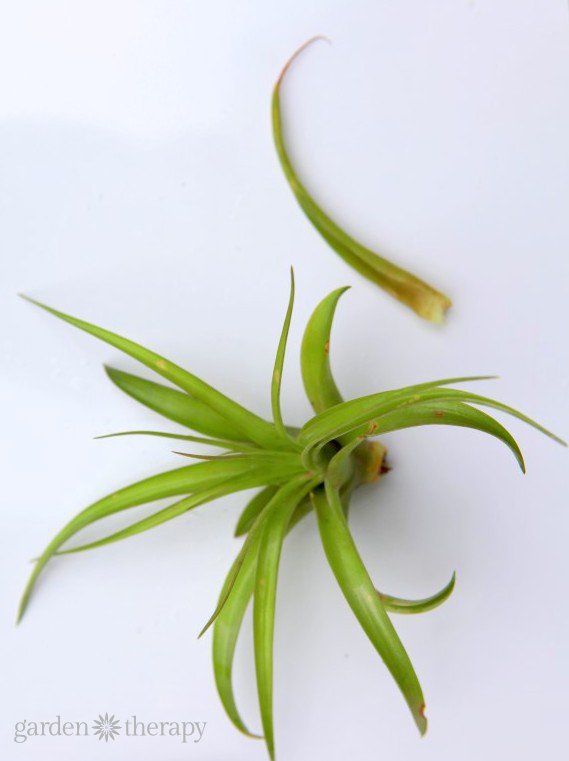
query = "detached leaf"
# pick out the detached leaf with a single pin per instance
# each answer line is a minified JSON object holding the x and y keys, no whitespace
{"x":425,"y":300}
{"x":358,"y":589}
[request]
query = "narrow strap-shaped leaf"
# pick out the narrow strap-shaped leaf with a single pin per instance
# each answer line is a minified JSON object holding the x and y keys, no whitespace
{"x":188,"y":479}
{"x":278,"y":368}
{"x":249,"y":545}
{"x":449,"y":413}
{"x":238,"y":446}
{"x":319,"y":383}
{"x":259,"y":454}
{"x":421,"y":297}
{"x":367,"y":410}
{"x":358,"y":589}
{"x":279,"y":512}
{"x":339,"y":413}
{"x":233,"y":601}
{"x":443,"y":413}
{"x":253,"y":509}
{"x":256,"y":528}
{"x":247,"y":423}
{"x":400,"y":605}
{"x":230,"y":486}
{"x":175,"y":405}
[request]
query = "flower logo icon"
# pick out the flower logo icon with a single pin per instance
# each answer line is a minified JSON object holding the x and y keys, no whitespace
{"x":106,"y":727}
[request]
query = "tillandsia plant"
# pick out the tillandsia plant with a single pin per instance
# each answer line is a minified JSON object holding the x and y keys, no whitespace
{"x":422,"y":298}
{"x":316,"y":467}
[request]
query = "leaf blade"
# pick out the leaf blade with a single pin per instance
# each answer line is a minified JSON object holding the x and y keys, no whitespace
{"x":425,"y":300}
{"x":253,"y":509}
{"x":237,"y":591}
{"x":238,"y":446}
{"x":229,"y":486}
{"x":171,"y":483}
{"x":279,"y":364}
{"x":174,"y":405}
{"x":401,"y":605}
{"x":278,"y":515}
{"x":367,"y":410}
{"x":319,"y":383}
{"x":360,"y":594}
{"x":247,"y":422}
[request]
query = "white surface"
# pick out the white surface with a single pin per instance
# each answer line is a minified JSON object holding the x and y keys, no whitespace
{"x":139,"y":188}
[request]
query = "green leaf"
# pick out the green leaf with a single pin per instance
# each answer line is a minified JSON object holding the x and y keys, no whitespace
{"x":227,"y":625}
{"x":358,"y":589}
{"x":278,"y":369}
{"x":232,"y":605}
{"x":256,"y":528}
{"x":230,"y":486}
{"x":278,"y":515}
{"x":253,"y":509}
{"x":189,"y":479}
{"x":251,"y":542}
{"x":449,"y":413}
{"x":175,"y":405}
{"x":247,"y":423}
{"x":341,"y":467}
{"x":367,"y":411}
{"x":317,"y":376}
{"x":421,"y":297}
{"x":238,"y":446}
{"x":400,"y":605}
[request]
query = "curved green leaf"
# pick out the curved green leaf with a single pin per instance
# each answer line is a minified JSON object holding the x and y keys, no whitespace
{"x":189,"y":479}
{"x":175,"y":405}
{"x":227,"y":625}
{"x":358,"y":589}
{"x":232,"y":605}
{"x":278,"y":515}
{"x":449,"y":413}
{"x":247,"y":423}
{"x":253,"y":509}
{"x":278,"y":369}
{"x":317,"y":376}
{"x":421,"y":297}
{"x":251,"y":541}
{"x":238,"y":446}
{"x":366,"y":411}
{"x":230,"y":486}
{"x":400,"y":605}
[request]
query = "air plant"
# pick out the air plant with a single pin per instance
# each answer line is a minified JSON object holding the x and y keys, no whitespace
{"x":316,"y":467}
{"x":422,"y":298}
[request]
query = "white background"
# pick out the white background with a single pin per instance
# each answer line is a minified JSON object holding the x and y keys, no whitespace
{"x":139,"y":188}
